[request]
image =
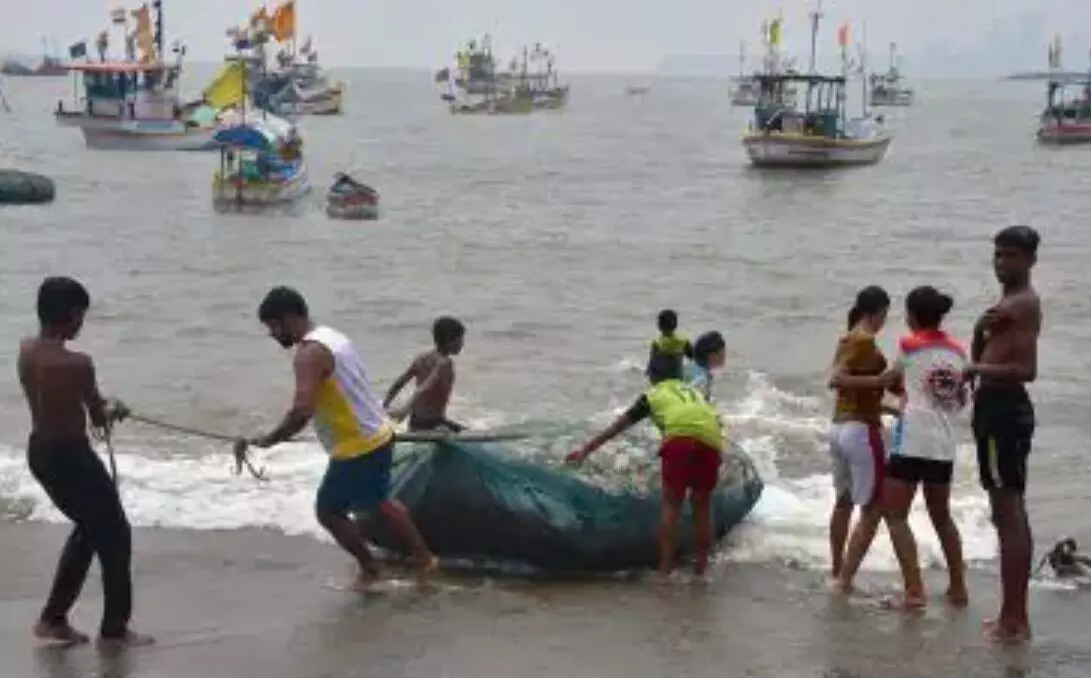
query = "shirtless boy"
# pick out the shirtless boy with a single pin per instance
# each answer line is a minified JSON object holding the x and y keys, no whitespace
{"x":434,"y":373}
{"x":1005,"y":359}
{"x":62,"y":393}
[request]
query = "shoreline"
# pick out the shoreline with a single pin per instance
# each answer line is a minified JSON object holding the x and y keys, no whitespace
{"x":257,"y":602}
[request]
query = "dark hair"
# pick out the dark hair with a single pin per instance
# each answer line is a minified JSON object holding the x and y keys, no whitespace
{"x":707,"y":344}
{"x":1023,"y":238}
{"x":668,"y":320}
{"x":447,"y":329}
{"x":280,"y":303}
{"x":59,"y":297}
{"x":869,"y":301}
{"x":928,"y":306}
{"x":663,"y":367}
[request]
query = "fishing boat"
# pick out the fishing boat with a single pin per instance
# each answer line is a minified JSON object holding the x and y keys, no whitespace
{"x":889,"y":89}
{"x":637,"y":90}
{"x":1066,"y":118}
{"x":134,"y":104}
{"x":261,"y":162}
{"x":820,"y":133}
{"x":744,"y":89}
{"x":474,"y":85}
{"x":351,"y":199}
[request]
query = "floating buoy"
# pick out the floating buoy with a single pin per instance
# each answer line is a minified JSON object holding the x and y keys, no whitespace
{"x":24,"y":188}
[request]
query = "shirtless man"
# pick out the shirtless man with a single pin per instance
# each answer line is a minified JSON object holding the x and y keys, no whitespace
{"x":1005,"y":359}
{"x":434,"y":373}
{"x":62,"y":393}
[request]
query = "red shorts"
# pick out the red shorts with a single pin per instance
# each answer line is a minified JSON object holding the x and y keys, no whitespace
{"x":688,"y":464}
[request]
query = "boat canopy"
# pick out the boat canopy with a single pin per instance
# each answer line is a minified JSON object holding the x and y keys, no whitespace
{"x":769,"y":79}
{"x":119,"y":67}
{"x":249,"y":137}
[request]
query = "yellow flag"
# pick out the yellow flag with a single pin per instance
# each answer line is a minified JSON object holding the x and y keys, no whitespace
{"x":774,"y":31}
{"x":227,"y":87}
{"x":283,"y":22}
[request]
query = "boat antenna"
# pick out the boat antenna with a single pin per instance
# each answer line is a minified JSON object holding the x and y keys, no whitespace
{"x":816,"y":16}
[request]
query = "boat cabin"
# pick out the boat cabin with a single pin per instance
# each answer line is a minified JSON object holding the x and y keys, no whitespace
{"x":822,"y":112}
{"x":1068,"y":101}
{"x":127,"y":91}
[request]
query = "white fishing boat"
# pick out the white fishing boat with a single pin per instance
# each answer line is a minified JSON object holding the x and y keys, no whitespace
{"x":261,"y":162}
{"x":889,"y":89}
{"x":134,"y":104}
{"x":819,"y":134}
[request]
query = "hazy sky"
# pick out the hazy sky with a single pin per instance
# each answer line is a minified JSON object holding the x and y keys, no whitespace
{"x":586,"y":34}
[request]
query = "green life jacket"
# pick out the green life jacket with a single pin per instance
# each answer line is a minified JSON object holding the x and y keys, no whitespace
{"x":680,"y":411}
{"x":673,"y":345}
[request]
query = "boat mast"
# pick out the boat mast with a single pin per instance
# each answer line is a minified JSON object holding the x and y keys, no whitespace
{"x":158,"y":6}
{"x":742,"y":59}
{"x":816,"y":16}
{"x":863,"y":68}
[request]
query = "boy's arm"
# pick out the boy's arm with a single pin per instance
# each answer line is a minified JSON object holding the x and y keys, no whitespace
{"x":399,"y":384}
{"x":635,"y":414}
{"x":92,"y":398}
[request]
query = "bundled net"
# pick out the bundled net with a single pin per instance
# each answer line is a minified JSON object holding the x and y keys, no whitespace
{"x":482,"y":506}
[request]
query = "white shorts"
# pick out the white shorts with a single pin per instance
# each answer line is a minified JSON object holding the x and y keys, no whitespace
{"x":859,"y":461}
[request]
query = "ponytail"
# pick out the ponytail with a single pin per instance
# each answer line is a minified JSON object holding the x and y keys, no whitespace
{"x":854,"y":316}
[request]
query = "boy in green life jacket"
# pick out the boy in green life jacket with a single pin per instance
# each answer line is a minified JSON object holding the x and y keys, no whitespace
{"x":669,"y":342}
{"x":690,"y":453}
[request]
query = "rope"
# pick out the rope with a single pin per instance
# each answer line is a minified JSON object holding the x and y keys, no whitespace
{"x":241,"y":459}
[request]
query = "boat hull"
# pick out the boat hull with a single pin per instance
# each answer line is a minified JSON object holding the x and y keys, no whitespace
{"x":1064,"y":134}
{"x":227,"y":192}
{"x":139,"y":135}
{"x":797,"y":150}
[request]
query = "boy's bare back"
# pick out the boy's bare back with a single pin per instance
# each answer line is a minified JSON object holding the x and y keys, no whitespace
{"x":60,"y":389}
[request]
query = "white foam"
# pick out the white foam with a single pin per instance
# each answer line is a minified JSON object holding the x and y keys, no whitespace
{"x":788,"y":524}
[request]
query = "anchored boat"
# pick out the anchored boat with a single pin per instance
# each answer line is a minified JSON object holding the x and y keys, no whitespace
{"x":889,"y":89}
{"x":134,"y":104}
{"x":261,"y":162}
{"x":475,"y":86}
{"x":1067,"y":115}
{"x":351,"y":199}
{"x":820,"y":133}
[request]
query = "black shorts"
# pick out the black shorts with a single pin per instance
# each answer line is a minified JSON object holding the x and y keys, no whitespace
{"x":916,"y":470}
{"x":1003,"y":423}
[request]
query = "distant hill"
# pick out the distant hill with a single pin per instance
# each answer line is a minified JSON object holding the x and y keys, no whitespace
{"x":1046,"y":75}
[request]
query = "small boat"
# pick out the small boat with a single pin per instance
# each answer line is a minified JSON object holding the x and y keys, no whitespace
{"x":637,"y":90}
{"x":820,"y":134}
{"x":889,"y":89}
{"x":350,"y":199}
{"x":261,"y":162}
{"x":1066,"y":118}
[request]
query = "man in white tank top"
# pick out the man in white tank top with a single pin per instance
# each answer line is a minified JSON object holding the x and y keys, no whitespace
{"x":332,"y":390}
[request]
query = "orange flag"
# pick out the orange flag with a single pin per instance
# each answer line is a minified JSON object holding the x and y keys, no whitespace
{"x":843,"y":35}
{"x":283,"y":22}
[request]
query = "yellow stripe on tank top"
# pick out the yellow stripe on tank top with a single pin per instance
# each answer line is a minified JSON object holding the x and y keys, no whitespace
{"x":335,"y":415}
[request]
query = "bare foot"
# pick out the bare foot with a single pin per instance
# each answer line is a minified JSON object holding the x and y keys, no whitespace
{"x":840,"y":587}
{"x":996,"y":631}
{"x":59,"y":633}
{"x":365,"y":579}
{"x":130,"y":639}
{"x":957,"y":597}
{"x":906,"y":602}
{"x":425,"y":569}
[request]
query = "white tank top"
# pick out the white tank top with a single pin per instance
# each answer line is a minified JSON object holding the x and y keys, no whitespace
{"x":349,"y":418}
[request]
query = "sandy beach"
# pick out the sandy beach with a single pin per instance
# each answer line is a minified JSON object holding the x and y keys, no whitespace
{"x":256,"y":603}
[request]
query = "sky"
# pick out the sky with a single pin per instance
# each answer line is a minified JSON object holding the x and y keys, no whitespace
{"x":938,"y":36}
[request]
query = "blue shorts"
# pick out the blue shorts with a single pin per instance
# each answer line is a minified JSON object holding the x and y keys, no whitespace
{"x":356,"y":485}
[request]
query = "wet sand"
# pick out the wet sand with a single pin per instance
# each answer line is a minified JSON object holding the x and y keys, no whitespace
{"x":257,"y":603}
